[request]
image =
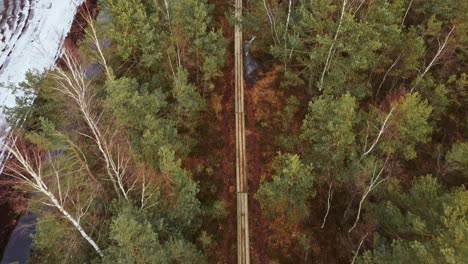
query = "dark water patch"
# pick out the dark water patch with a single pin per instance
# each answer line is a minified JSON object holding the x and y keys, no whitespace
{"x":19,"y":244}
{"x":7,"y":223}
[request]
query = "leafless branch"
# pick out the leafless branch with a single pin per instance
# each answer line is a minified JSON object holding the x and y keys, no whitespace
{"x":381,"y":131}
{"x":436,"y":57}
{"x":29,"y":172}
{"x":332,"y":46}
{"x":330,"y":197}
{"x":406,"y":13}
{"x":92,"y":33}
{"x":359,"y":247}
{"x":374,"y":182}
{"x":74,"y":85}
{"x":386,"y":73}
{"x":271,"y":19}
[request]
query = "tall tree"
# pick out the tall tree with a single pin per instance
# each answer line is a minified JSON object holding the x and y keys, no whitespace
{"x":426,"y":224}
{"x":289,"y":191}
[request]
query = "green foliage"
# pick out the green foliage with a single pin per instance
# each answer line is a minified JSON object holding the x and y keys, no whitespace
{"x":428,"y":224}
{"x":457,"y":158}
{"x":189,"y":23}
{"x":133,"y":32}
{"x":35,"y":97}
{"x":290,"y":189}
{"x":183,"y":252}
{"x":217,"y":210}
{"x":179,"y":34}
{"x":409,"y":126}
{"x":133,"y":240}
{"x":365,"y":42}
{"x":188,"y":102}
{"x":56,"y":242}
{"x":437,"y":96}
{"x":132,"y":103}
{"x":328,"y":129}
{"x":144,"y":114}
{"x":286,"y":139}
{"x":178,"y":210}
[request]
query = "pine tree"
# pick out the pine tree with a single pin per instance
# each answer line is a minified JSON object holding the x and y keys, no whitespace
{"x":290,"y":189}
{"x":426,"y":224}
{"x":328,"y":130}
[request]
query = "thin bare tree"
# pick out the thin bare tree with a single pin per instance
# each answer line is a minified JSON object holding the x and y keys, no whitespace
{"x":434,"y":59}
{"x":379,"y":135}
{"x":271,"y":20}
{"x":91,"y":32}
{"x":374,"y":182}
{"x":329,"y":199}
{"x":73,"y":84}
{"x":285,"y":36}
{"x":418,"y":79}
{"x":387,"y":72}
{"x":359,"y":247}
{"x":332,"y":46}
{"x":406,"y":12}
{"x":28,"y":169}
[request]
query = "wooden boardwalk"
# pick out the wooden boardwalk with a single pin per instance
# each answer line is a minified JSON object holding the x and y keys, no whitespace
{"x":243,"y":247}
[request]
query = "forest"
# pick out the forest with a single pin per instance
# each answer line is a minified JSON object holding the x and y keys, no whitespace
{"x":356,"y":134}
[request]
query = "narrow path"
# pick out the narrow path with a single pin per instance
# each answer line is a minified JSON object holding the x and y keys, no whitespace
{"x":243,"y":247}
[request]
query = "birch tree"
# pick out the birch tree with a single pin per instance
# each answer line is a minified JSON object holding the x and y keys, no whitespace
{"x":97,"y":42}
{"x":28,"y":169}
{"x":332,"y":46}
{"x":75,"y":86}
{"x":374,"y":182}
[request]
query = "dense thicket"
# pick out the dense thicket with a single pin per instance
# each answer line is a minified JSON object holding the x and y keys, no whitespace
{"x":366,"y":158}
{"x":383,"y":86}
{"x":108,"y":143}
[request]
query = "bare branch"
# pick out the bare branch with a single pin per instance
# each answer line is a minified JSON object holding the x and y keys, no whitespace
{"x":272,"y":20}
{"x":359,"y":7}
{"x":406,"y":13}
{"x":74,"y":85}
{"x":382,"y":130}
{"x":436,"y":57}
{"x":92,"y":33}
{"x":332,"y":46}
{"x":359,"y":247}
{"x":330,"y":197}
{"x":374,"y":182}
{"x":33,"y":178}
{"x":286,"y":31}
{"x":386,"y":73}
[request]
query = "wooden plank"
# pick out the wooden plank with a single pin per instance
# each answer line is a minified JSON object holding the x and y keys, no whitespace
{"x":243,"y":247}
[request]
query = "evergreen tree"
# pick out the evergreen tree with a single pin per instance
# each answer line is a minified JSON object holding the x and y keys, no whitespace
{"x":328,"y":130}
{"x":457,"y":158}
{"x":171,"y":33}
{"x":409,"y":126}
{"x":290,"y":189}
{"x":426,"y":224}
{"x":179,"y":207}
{"x":133,"y":240}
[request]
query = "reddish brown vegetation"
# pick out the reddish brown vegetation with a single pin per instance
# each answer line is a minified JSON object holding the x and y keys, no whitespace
{"x":78,"y":27}
{"x":228,"y":169}
{"x":79,"y":24}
